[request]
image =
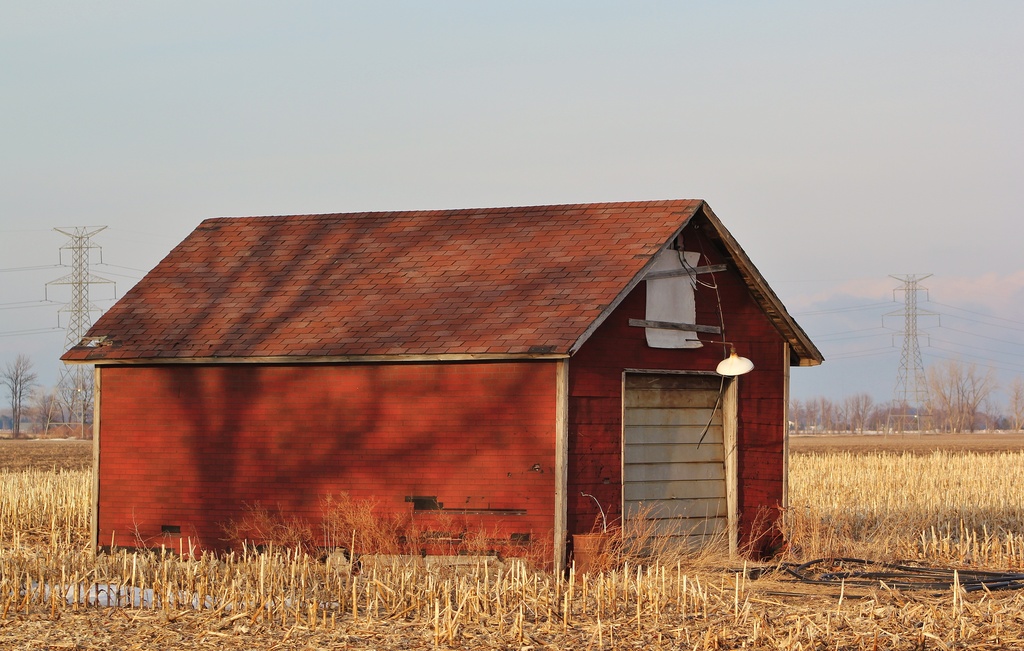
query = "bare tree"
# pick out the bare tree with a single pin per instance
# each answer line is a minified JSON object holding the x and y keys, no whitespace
{"x":810,"y":415}
{"x":797,"y":415}
{"x":1017,"y":403}
{"x":826,"y":413}
{"x":19,"y":379}
{"x":858,"y":409}
{"x":958,"y":392}
{"x":878,"y":419}
{"x":46,"y":409}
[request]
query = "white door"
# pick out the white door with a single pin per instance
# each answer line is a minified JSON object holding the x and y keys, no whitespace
{"x":674,"y":460}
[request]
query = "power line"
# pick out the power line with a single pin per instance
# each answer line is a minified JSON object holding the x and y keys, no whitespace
{"x":847,"y":332}
{"x":114,"y":273}
{"x":950,"y":346}
{"x":120,"y":266}
{"x":19,"y":333}
{"x":32,"y":268}
{"x":987,"y":316}
{"x":851,"y":335}
{"x":987,"y":350}
{"x":22,"y":305}
{"x":984,"y":323}
{"x":888,"y":350}
{"x":74,"y":389}
{"x":837,"y":310}
{"x":989,"y":363}
{"x":975,"y":334}
{"x":910,"y":394}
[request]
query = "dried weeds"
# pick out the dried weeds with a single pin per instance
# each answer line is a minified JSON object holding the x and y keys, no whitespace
{"x":56,"y":594}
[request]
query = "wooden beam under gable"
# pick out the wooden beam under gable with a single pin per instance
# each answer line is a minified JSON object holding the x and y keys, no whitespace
{"x":709,"y":269}
{"x":665,"y":325}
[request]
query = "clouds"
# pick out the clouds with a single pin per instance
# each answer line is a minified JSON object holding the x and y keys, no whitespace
{"x":992,"y":294}
{"x":859,"y":324}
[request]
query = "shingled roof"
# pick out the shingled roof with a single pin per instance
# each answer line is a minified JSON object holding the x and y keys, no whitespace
{"x":484,"y":282}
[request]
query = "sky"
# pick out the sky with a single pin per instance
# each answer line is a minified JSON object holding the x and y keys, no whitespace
{"x":840,"y":143}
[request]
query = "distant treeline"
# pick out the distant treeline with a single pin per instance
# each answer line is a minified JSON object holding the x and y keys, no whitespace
{"x":960,"y":398}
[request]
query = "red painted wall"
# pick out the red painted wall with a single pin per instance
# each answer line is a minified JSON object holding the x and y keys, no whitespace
{"x":595,"y":393}
{"x":192,"y":446}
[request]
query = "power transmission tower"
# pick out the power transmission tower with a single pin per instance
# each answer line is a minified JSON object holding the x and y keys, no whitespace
{"x":910,"y":396}
{"x":72,"y":401}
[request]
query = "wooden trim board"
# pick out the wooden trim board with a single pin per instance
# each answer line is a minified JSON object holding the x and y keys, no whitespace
{"x":729,"y":430}
{"x":326,"y":359}
{"x":561,"y":461}
{"x":94,"y":516}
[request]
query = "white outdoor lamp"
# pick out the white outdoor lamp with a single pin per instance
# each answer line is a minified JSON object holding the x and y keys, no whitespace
{"x":734,"y":365}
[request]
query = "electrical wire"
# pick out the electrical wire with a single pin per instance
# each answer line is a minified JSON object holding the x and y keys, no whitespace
{"x":33,"y":268}
{"x":987,"y":350}
{"x":837,"y":310}
{"x":120,"y":266}
{"x":114,"y":273}
{"x":20,"y":333}
{"x":832,"y":338}
{"x":21,"y":305}
{"x":987,"y":316}
{"x":871,"y":352}
{"x":975,"y":334}
{"x":949,"y":346}
{"x":980,"y":322}
{"x":985,"y":362}
{"x":721,"y":320}
{"x":846,"y":332}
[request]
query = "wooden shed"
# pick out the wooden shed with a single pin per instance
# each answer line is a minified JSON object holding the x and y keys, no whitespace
{"x":495,"y":367}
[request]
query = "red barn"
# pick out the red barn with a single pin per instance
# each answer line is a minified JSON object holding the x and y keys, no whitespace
{"x":495,"y":366}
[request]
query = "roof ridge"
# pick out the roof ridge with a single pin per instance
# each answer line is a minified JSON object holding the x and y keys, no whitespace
{"x":560,"y":207}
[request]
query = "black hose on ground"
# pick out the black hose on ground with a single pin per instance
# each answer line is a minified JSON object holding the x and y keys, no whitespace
{"x":860,"y":572}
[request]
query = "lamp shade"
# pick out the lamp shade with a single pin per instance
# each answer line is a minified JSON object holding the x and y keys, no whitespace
{"x":734,"y":365}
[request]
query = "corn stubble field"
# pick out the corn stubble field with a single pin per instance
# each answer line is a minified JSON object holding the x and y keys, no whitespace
{"x":961,"y":510}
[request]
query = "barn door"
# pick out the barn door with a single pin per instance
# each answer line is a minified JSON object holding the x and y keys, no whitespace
{"x":684,"y":485}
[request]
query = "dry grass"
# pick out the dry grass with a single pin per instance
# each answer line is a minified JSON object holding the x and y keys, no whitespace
{"x":360,"y":528}
{"x":44,"y":508}
{"x":958,"y":508}
{"x":288,"y":598}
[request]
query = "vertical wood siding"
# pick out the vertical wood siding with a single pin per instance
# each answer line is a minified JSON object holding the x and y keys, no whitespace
{"x":595,"y":396}
{"x":192,"y":446}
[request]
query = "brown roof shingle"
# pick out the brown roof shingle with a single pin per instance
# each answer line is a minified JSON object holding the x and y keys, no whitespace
{"x":497,"y":281}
